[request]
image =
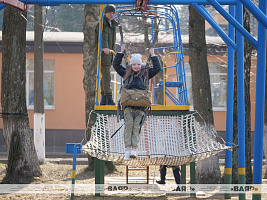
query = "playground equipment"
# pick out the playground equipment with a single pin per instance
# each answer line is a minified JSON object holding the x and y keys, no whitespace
{"x":235,"y":20}
{"x":170,"y":134}
{"x":155,"y":16}
{"x":173,"y":138}
{"x":15,"y":4}
{"x":237,"y":45}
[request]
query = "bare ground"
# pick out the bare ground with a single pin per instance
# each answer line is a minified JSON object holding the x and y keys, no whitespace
{"x":55,"y":173}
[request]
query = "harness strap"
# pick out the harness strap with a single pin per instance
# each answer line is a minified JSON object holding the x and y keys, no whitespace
{"x":144,"y":117}
{"x":118,"y":110}
{"x":116,"y":132}
{"x":143,"y":78}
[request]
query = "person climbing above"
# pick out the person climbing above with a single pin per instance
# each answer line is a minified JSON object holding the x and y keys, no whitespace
{"x":108,"y":43}
{"x":133,"y":115}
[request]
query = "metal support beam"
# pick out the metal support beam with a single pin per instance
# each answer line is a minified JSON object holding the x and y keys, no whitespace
{"x":159,"y":2}
{"x":2,"y":6}
{"x":255,"y":11}
{"x":215,"y":25}
{"x":15,"y":4}
{"x":230,"y":104}
{"x":260,"y":100}
{"x":235,"y":23}
{"x":99,"y":176}
{"x":193,"y":176}
{"x":183,"y":174}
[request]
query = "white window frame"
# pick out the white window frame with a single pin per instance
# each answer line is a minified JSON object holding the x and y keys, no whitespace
{"x":31,"y":107}
{"x":214,"y":108}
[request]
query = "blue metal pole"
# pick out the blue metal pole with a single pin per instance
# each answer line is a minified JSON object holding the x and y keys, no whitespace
{"x":2,"y":6}
{"x":240,"y":100}
{"x":230,"y":104}
{"x":159,"y":2}
{"x":99,"y":55}
{"x":236,"y":24}
{"x":181,"y":59}
{"x":214,"y":24}
{"x":260,"y":100}
{"x":255,"y":11}
{"x":73,"y":170}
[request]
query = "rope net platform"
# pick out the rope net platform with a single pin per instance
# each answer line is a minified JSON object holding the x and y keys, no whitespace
{"x":165,"y":139}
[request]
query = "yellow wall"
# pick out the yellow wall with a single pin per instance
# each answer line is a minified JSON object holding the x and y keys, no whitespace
{"x":69,"y":111}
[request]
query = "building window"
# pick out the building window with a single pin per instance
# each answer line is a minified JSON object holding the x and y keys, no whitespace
{"x":49,"y":83}
{"x":218,"y":82}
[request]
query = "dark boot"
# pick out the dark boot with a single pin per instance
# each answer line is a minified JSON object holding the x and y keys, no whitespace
{"x":110,"y":100}
{"x":160,"y":182}
{"x":103,"y":100}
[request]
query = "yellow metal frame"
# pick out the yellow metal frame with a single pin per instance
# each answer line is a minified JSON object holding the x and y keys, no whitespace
{"x":153,"y":107}
{"x":164,"y":90}
{"x":102,"y":6}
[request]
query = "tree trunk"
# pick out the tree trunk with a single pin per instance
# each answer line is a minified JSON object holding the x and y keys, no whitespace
{"x":91,"y":17}
{"x":208,"y":170}
{"x":247,"y":68}
{"x":23,"y":163}
{"x":235,"y":130}
{"x":147,"y":44}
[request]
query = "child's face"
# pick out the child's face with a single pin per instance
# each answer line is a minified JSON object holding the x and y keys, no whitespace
{"x":136,"y":67}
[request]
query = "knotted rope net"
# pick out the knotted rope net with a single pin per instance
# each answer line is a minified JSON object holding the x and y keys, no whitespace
{"x":164,"y":140}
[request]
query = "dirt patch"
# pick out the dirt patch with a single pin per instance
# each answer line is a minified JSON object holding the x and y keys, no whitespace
{"x":54,"y":173}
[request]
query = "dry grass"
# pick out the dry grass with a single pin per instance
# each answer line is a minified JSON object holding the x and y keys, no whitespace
{"x":54,"y":173}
